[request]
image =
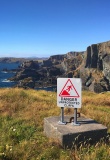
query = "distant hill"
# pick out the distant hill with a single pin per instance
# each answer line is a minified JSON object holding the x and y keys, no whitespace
{"x":20,"y":60}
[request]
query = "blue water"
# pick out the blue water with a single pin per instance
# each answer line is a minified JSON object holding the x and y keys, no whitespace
{"x":5,"y":75}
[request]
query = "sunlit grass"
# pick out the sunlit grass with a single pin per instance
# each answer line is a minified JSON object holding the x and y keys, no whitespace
{"x":97,"y":106}
{"x":22,"y":114}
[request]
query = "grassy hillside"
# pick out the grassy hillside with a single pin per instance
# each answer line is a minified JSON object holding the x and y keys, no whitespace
{"x":21,"y":126}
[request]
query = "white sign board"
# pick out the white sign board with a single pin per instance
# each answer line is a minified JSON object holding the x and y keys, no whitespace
{"x":69,"y":92}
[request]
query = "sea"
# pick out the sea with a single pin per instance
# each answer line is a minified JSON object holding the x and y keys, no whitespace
{"x":4,"y":82}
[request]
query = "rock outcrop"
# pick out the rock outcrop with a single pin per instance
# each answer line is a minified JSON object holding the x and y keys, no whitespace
{"x":95,"y":71}
{"x":41,"y":74}
{"x":92,"y":66}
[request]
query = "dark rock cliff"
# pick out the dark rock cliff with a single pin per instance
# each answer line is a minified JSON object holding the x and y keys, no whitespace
{"x":95,"y":71}
{"x":92,"y":66}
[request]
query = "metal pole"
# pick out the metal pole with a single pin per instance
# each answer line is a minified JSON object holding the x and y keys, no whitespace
{"x":62,"y":116}
{"x":75,"y":117}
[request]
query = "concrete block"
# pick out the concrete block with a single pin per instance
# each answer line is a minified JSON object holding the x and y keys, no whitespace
{"x":68,"y":135}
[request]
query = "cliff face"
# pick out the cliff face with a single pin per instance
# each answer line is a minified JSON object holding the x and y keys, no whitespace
{"x":46,"y":72}
{"x":72,"y":62}
{"x":95,"y":70}
{"x":92,"y":66}
{"x":96,"y":54}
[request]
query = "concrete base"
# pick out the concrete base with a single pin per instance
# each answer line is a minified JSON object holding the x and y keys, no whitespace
{"x":68,"y":135}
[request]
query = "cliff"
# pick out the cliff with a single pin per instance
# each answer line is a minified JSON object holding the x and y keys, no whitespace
{"x":95,"y":70}
{"x":92,"y":66}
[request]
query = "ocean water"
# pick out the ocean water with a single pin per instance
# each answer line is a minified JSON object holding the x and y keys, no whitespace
{"x":4,"y":82}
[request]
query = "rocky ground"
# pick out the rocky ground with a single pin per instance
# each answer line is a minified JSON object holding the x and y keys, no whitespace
{"x":92,"y":66}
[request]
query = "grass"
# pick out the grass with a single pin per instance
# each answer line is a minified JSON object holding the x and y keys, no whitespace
{"x":21,"y":126}
{"x":97,"y":106}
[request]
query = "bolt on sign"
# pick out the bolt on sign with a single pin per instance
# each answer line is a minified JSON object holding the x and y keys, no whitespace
{"x":69,"y":92}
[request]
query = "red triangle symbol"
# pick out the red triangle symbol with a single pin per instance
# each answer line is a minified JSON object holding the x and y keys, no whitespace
{"x":69,"y":90}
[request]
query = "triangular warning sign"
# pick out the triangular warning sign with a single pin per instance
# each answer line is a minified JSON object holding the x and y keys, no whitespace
{"x":69,"y":90}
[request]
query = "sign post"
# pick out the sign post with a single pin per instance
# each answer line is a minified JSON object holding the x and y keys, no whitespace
{"x":75,"y":118}
{"x":69,"y":95}
{"x":62,"y":116}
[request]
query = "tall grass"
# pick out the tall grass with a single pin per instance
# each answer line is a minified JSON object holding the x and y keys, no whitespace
{"x":97,"y":106}
{"x":21,"y":126}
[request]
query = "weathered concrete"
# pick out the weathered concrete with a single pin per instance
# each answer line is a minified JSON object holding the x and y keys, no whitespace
{"x":67,"y":135}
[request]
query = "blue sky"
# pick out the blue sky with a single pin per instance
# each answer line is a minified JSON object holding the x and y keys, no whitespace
{"x":43,"y":28}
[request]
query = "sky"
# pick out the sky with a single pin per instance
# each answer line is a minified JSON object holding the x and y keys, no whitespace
{"x":41,"y":28}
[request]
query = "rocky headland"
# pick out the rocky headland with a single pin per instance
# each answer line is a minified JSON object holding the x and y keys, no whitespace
{"x":92,"y":66}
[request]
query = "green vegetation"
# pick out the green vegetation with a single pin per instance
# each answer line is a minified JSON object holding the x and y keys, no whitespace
{"x":21,"y":126}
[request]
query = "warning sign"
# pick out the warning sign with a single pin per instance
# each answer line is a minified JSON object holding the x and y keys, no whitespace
{"x":69,"y":92}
